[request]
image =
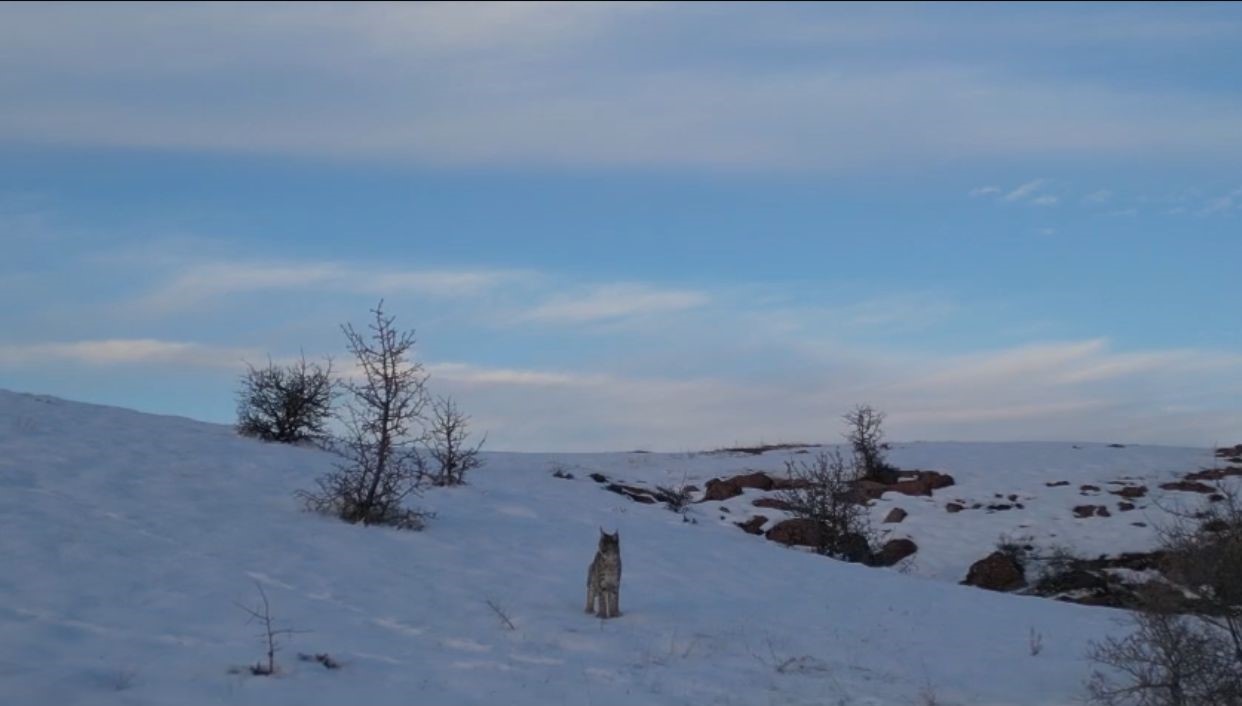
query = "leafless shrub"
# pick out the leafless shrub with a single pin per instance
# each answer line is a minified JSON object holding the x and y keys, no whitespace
{"x":502,"y":614}
{"x":270,"y":634}
{"x":1169,"y":660}
{"x":288,"y":404}
{"x":1187,"y":645}
{"x":449,"y":444}
{"x":865,"y":432}
{"x":824,"y":493}
{"x":381,"y":463}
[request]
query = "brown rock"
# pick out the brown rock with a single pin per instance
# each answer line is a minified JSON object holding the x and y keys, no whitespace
{"x":752,"y":525}
{"x":782,"y":483}
{"x":953,"y":507}
{"x":1189,"y":486}
{"x":774,"y":503}
{"x":895,"y":515}
{"x":718,"y":489}
{"x":894,"y":551}
{"x":799,"y":531}
{"x":996,"y":572}
{"x":1133,"y":491}
{"x":865,"y":490}
{"x":1227,"y":451}
{"x":1214,"y":473}
{"x":922,"y":482}
{"x":641,"y":495}
{"x":808,"y":533}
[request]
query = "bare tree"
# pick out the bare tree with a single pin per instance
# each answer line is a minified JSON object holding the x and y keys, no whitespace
{"x":1187,"y":645}
{"x":823,"y":491}
{"x":383,"y":425}
{"x":865,"y":432}
{"x":1167,"y":661}
{"x":449,"y":445}
{"x":262,"y":614}
{"x":288,"y":404}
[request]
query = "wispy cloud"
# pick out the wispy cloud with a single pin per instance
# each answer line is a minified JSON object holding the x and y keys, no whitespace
{"x":612,"y":302}
{"x":501,"y":83}
{"x":1045,"y":200}
{"x":1223,"y":203}
{"x":201,"y":283}
{"x":1101,"y":196}
{"x":1079,"y":390}
{"x":113,"y":352}
{"x":984,"y":191}
{"x":1025,"y":191}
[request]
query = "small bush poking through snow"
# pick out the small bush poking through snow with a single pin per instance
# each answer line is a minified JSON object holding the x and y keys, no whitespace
{"x":823,"y":492}
{"x":288,"y":404}
{"x":449,"y":444}
{"x":865,"y":432}
{"x":1187,"y":645}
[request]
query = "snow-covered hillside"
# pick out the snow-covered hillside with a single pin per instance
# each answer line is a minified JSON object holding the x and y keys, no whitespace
{"x":129,"y":539}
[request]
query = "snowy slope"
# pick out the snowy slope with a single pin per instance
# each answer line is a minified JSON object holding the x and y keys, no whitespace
{"x":128,"y":539}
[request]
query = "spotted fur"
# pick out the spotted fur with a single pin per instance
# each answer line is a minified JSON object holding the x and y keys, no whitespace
{"x":604,"y":577}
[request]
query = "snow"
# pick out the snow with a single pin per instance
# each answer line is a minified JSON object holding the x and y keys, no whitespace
{"x":129,"y":540}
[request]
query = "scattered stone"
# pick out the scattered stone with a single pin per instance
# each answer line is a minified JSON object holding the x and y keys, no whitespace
{"x":1057,"y":483}
{"x":752,"y":525}
{"x":1189,"y":486}
{"x":895,"y":515}
{"x":1133,"y":491}
{"x":894,"y":551}
{"x":1125,"y":506}
{"x":1214,"y":473}
{"x":999,"y":506}
{"x":599,"y":477}
{"x":996,"y":572}
{"x":723,"y":489}
{"x":1013,"y":497}
{"x":559,"y":473}
{"x":1116,"y":446}
{"x":1089,"y":488}
{"x":954,"y":507}
{"x":638,"y":495}
{"x":797,"y":531}
{"x":1081,"y":511}
{"x":773,"y":503}
{"x":1227,"y":451}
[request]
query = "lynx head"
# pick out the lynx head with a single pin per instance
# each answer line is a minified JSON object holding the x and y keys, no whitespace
{"x":609,"y":543}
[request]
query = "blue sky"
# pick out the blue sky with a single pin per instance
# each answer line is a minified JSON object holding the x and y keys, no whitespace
{"x":667,"y":226}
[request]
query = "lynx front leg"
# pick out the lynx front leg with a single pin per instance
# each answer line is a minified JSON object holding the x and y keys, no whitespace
{"x":590,"y":606}
{"x":616,"y":602}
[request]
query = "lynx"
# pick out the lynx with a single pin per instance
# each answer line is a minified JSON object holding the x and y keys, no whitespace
{"x":604,"y":577}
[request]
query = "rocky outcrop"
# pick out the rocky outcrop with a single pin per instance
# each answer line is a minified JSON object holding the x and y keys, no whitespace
{"x":996,"y":572}
{"x":894,"y":551}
